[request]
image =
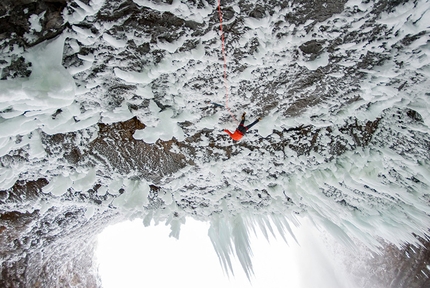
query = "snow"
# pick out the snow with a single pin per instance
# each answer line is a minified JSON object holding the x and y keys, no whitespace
{"x":7,"y":178}
{"x":83,"y":11}
{"x":363,"y":174}
{"x":179,"y":8}
{"x":49,"y":87}
{"x":121,"y":113}
{"x":35,"y":22}
{"x":165,"y":128}
{"x":58,"y":186}
{"x":134,"y":196}
{"x":320,"y":61}
{"x":114,"y":42}
{"x":84,"y":181}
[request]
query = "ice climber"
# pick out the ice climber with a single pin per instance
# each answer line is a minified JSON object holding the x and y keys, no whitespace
{"x":241,"y":129}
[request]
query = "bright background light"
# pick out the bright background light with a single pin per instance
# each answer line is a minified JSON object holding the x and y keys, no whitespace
{"x":131,"y":255}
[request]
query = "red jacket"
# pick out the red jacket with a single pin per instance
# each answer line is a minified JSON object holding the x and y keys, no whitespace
{"x":237,"y":135}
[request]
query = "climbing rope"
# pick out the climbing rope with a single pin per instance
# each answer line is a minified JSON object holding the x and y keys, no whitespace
{"x":225,"y":61}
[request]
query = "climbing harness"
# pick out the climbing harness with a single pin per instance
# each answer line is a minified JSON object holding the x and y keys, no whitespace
{"x":225,"y":61}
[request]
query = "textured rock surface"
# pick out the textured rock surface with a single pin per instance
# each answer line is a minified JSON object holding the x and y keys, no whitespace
{"x":143,"y":59}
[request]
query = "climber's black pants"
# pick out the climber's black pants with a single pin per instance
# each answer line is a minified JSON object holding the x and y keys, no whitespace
{"x":242,"y":129}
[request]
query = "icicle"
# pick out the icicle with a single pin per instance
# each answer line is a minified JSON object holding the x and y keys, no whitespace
{"x":281,"y":222}
{"x":175,"y":227}
{"x":227,"y":230}
{"x":221,"y":240}
{"x":242,"y":245}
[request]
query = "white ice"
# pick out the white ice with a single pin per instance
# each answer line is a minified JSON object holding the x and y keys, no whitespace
{"x":51,"y":89}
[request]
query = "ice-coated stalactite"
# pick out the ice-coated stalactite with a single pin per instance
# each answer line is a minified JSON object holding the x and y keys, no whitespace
{"x":230,"y":235}
{"x":108,"y":115}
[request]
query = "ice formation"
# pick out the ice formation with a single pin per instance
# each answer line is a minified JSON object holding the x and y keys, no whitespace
{"x":116,"y":118}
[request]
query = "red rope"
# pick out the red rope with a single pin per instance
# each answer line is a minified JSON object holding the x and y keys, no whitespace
{"x":225,"y":61}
